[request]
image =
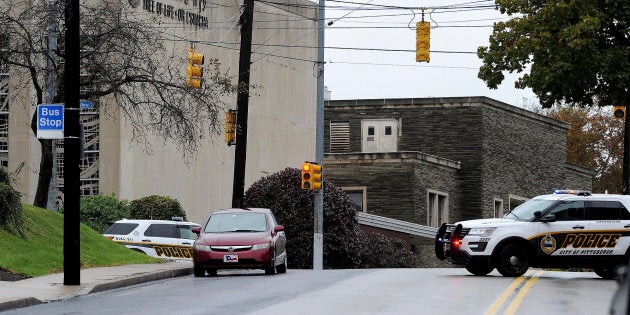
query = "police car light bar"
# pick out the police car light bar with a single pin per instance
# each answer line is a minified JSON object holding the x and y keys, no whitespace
{"x":572,"y":192}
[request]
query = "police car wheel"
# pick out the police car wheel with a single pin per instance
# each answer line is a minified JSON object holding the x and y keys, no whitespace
{"x":270,"y":271}
{"x":479,"y":268}
{"x":282,"y":268}
{"x":606,"y":272}
{"x":512,"y":261}
{"x":199,"y":272}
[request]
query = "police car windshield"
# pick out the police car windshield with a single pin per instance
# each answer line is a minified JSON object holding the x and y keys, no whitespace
{"x":236,"y":222}
{"x":525,"y":212}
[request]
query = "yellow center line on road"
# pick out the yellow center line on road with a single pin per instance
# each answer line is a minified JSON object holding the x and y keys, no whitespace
{"x":518,"y":287}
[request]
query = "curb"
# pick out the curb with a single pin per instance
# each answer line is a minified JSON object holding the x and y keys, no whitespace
{"x":19,"y":303}
{"x":115,"y":284}
{"x":141,"y":279}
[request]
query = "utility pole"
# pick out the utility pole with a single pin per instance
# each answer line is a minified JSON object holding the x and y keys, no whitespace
{"x":625,"y":186}
{"x":242,"y":104}
{"x":51,"y":94}
{"x":318,"y":204}
{"x":71,"y":219}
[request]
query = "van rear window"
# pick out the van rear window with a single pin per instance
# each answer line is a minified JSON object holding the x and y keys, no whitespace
{"x":121,"y":228}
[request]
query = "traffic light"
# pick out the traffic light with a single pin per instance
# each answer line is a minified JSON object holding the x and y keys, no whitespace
{"x":230,"y":127}
{"x":423,"y":41}
{"x":194,"y":72}
{"x":619,"y":111}
{"x":311,"y":176}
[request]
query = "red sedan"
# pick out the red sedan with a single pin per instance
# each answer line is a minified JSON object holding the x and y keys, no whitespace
{"x":240,"y":239}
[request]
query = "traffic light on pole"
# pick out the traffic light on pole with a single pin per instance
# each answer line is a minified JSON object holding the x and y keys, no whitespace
{"x":194,"y":72}
{"x":311,"y":176}
{"x":619,"y":111}
{"x":230,"y":127}
{"x":423,"y":41}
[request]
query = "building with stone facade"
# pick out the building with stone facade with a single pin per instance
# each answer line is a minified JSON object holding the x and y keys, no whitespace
{"x":282,"y":102}
{"x":433,"y":160}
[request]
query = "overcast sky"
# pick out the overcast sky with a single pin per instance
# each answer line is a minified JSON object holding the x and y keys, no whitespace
{"x":358,"y":74}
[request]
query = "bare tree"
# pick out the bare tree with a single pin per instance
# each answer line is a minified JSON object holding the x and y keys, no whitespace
{"x":124,"y":56}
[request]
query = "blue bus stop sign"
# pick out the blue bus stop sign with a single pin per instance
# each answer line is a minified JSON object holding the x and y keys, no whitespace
{"x":50,"y":121}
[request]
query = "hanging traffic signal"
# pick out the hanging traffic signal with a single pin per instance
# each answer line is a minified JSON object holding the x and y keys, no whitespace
{"x":230,"y":127}
{"x":619,"y":111}
{"x":194,"y":72}
{"x":423,"y":41}
{"x":311,"y":176}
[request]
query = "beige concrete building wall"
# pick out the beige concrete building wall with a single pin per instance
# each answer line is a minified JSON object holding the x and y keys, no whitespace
{"x":281,"y":124}
{"x":24,"y":149}
{"x":282,"y":106}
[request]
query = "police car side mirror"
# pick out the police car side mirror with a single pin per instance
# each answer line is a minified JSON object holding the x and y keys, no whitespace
{"x":537,"y":214}
{"x":548,"y":218}
{"x":196,"y":230}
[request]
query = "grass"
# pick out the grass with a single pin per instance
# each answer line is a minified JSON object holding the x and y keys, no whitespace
{"x":40,"y":251}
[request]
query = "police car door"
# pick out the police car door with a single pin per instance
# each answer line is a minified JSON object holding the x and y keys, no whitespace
{"x":557,"y":226}
{"x":186,"y":239}
{"x":163,"y":237}
{"x":610,"y":227}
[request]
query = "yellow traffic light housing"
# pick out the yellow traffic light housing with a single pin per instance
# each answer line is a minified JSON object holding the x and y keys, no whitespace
{"x":619,"y":111}
{"x":423,"y":41}
{"x":194,"y":71}
{"x":311,"y":176}
{"x":230,"y":127}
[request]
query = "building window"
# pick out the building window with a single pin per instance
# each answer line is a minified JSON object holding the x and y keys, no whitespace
{"x":388,"y":130}
{"x":339,"y":136}
{"x":370,"y":131}
{"x":498,"y":208}
{"x":515,"y":201}
{"x":437,"y":208}
{"x":358,"y":196}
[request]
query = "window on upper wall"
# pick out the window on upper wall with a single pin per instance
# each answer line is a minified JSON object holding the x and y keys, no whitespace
{"x":437,"y":208}
{"x":339,"y":136}
{"x":358,"y":196}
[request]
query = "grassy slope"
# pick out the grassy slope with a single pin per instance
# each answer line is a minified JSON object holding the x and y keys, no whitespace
{"x":40,"y":252}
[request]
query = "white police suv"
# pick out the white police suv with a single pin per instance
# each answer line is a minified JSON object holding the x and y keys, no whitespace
{"x":158,"y":238}
{"x":566,"y":229}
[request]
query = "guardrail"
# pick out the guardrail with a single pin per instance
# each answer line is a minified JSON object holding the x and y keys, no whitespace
{"x":396,"y":225}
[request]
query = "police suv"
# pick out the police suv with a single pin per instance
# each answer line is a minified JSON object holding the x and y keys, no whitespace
{"x":158,"y":238}
{"x":566,"y":229}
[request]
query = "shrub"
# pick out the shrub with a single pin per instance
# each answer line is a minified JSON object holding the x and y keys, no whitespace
{"x":98,"y":212}
{"x":380,"y":251}
{"x":10,"y":205}
{"x":293,"y":208}
{"x":156,"y":208}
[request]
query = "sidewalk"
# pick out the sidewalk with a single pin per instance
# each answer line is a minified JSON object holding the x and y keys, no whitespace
{"x":49,"y":288}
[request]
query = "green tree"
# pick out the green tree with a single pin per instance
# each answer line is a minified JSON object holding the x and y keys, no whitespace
{"x":595,"y":141}
{"x":573,"y":52}
{"x":156,"y":208}
{"x":10,"y":206}
{"x":98,"y":212}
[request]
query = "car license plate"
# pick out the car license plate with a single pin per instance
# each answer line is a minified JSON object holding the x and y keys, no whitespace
{"x":447,"y":246}
{"x":230,"y":258}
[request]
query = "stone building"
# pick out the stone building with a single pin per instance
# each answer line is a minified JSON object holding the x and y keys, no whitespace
{"x":434,"y":160}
